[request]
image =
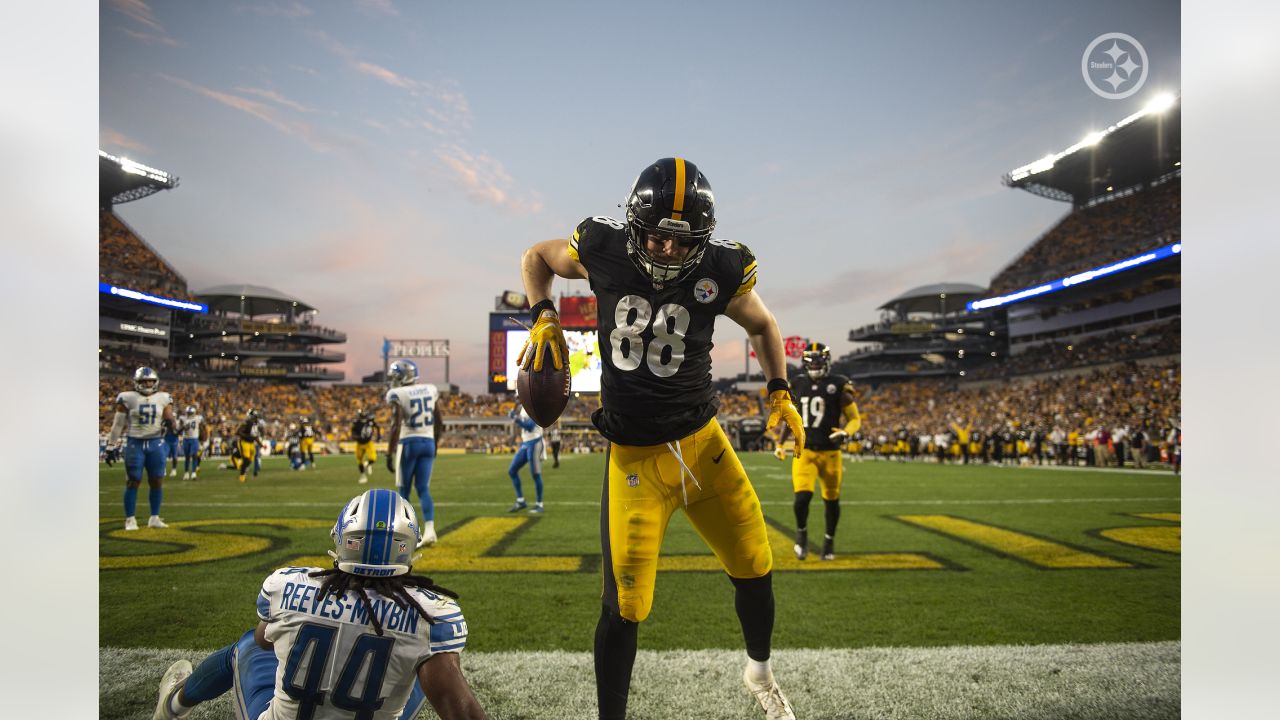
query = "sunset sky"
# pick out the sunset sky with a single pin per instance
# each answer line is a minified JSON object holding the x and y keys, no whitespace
{"x":387,"y":162}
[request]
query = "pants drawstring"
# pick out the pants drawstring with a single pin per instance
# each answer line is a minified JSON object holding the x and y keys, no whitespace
{"x":684,"y":469}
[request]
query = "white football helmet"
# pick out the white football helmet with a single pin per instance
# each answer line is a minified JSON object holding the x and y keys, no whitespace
{"x":375,"y":535}
{"x":402,"y":372}
{"x":146,"y":380}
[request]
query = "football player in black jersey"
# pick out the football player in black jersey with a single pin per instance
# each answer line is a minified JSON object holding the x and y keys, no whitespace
{"x":830,"y":418}
{"x":364,"y":431}
{"x":660,"y":281}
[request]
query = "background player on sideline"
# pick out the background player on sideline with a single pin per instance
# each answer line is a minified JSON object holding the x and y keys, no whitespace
{"x":531,"y":453}
{"x":416,"y":427}
{"x":194,"y":434}
{"x":147,"y":413}
{"x":830,"y":418}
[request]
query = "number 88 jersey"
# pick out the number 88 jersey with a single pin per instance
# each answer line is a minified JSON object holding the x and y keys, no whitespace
{"x":655,"y":342}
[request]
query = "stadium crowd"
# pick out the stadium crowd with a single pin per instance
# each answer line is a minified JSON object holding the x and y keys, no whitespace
{"x":1052,"y":356}
{"x":1095,"y":417}
{"x":1089,"y":417}
{"x":125,"y":260}
{"x":1094,"y":236}
{"x":332,"y":408}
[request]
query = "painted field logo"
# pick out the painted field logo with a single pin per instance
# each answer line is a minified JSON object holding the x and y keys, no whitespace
{"x":1114,"y":66}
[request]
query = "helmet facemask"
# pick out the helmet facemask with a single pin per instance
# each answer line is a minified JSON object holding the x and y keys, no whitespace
{"x":671,"y":198}
{"x":816,"y":361}
{"x":146,"y":381}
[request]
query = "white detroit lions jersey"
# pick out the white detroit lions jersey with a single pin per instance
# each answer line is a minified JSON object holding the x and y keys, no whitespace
{"x":417,"y":409}
{"x":525,"y":434}
{"x":328,"y":649}
{"x":191,"y":426}
{"x":145,"y":412}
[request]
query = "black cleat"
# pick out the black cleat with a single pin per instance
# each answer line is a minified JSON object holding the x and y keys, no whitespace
{"x":829,"y":548}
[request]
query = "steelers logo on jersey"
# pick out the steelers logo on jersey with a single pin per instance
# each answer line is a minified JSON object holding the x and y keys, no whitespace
{"x":706,"y":290}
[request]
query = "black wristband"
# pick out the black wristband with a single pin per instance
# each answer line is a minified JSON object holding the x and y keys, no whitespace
{"x":778,"y":384}
{"x":540,"y":307}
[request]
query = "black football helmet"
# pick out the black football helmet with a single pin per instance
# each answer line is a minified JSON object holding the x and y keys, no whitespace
{"x":670,"y":197}
{"x":816,"y":360}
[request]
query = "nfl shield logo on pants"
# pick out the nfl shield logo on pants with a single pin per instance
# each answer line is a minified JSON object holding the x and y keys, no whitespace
{"x":633,"y":480}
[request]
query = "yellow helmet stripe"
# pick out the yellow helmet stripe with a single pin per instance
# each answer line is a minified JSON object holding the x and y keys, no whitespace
{"x":678,"y":207}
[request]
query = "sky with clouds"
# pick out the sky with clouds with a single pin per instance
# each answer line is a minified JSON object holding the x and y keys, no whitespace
{"x":388,"y":161}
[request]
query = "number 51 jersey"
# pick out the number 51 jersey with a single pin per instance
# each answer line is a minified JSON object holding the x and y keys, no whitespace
{"x":332,"y":664}
{"x":655,"y":342}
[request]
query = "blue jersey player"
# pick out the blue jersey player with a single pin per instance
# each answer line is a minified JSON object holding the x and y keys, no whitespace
{"x":142,"y":416}
{"x":530,"y":453}
{"x":416,"y":427}
{"x":362,"y":640}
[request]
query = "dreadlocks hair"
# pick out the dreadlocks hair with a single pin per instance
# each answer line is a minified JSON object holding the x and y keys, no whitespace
{"x":394,"y":588}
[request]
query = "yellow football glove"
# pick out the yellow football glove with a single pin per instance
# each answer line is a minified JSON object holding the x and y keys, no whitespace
{"x":781,"y":408}
{"x":545,"y":336}
{"x":780,"y":452}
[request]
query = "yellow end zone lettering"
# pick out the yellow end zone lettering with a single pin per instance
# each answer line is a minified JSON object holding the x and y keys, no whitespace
{"x":1027,"y":548}
{"x":197,"y":546}
{"x":474,"y":546}
{"x":1161,"y":538}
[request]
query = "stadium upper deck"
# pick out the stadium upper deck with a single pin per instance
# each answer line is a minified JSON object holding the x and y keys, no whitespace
{"x":148,"y":314}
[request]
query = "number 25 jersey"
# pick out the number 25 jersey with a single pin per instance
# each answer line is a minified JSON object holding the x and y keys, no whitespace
{"x":655,"y":342}
{"x":417,"y":409}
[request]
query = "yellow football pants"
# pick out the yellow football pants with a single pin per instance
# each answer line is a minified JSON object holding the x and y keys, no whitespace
{"x":823,"y":466}
{"x":647,"y":484}
{"x":366,"y":452}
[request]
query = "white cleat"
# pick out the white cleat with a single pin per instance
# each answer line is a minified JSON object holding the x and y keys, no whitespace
{"x":131,"y":523}
{"x":173,"y":679}
{"x":428,"y":539}
{"x":156,"y":522}
{"x":363,"y":479}
{"x":173,"y":472}
{"x":186,"y":476}
{"x":770,"y":697}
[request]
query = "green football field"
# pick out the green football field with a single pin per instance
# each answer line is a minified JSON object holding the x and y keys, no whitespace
{"x":951,"y":558}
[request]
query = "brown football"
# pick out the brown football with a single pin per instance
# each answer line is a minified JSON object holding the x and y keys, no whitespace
{"x":544,"y":394}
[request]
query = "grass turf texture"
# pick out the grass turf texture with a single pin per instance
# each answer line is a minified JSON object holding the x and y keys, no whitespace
{"x":532,"y":583}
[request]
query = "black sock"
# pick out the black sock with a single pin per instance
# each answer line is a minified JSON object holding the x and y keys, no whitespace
{"x":753,"y":599}
{"x":615,"y":653}
{"x":801,"y":506}
{"x":832,"y":511}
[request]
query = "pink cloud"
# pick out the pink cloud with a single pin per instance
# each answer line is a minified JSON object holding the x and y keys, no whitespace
{"x":108,"y":137}
{"x":485,"y":180}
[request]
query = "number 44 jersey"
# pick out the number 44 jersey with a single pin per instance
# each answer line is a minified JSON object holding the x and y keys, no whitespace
{"x":331,"y":662}
{"x":655,"y":342}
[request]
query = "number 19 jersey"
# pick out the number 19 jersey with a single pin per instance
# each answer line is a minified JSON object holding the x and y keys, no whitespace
{"x":655,"y":342}
{"x":332,"y":664}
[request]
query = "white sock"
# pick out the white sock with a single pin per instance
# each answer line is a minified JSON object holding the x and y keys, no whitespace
{"x":429,"y":528}
{"x":175,"y":703}
{"x":520,"y":499}
{"x":759,"y":671}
